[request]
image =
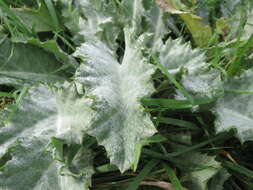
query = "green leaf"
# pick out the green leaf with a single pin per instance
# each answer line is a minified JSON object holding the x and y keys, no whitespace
{"x":28,"y":62}
{"x":120,"y":122}
{"x":69,"y":15}
{"x":9,"y":17}
{"x":69,"y":64}
{"x":24,"y":139}
{"x":201,"y":32}
{"x":234,"y":110}
{"x":50,"y":46}
{"x":39,"y":20}
{"x":53,"y":14}
{"x":172,"y":6}
{"x":22,"y":3}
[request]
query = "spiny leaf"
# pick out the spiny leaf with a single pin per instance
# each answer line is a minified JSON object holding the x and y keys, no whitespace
{"x":205,"y":168}
{"x":119,"y":123}
{"x":217,"y":182}
{"x":39,"y":20}
{"x":175,"y":54}
{"x":133,"y":12}
{"x":198,"y":169}
{"x":100,"y":22}
{"x":197,"y":78}
{"x":156,"y":24}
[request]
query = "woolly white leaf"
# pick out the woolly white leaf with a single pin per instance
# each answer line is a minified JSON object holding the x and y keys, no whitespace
{"x":217,"y":182}
{"x":198,"y":78}
{"x":238,"y":14}
{"x":100,"y":21}
{"x":23,"y":141}
{"x":235,"y":109}
{"x":119,"y":123}
{"x":156,"y":24}
{"x":133,"y":12}
{"x":200,"y":171}
{"x":204,"y":167}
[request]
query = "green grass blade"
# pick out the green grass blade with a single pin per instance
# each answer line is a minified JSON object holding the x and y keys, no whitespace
{"x":53,"y":14}
{"x":156,"y":155}
{"x":222,"y":136}
{"x":142,"y":175}
{"x":173,"y":178}
{"x":174,"y":81}
{"x":15,"y":19}
{"x":6,"y":94}
{"x":175,"y":104}
{"x":166,"y":103}
{"x":238,"y":91}
{"x":138,"y":149}
{"x":237,"y":168}
{"x":241,"y":52}
{"x":170,"y":156}
{"x":106,"y":168}
{"x":176,"y":122}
